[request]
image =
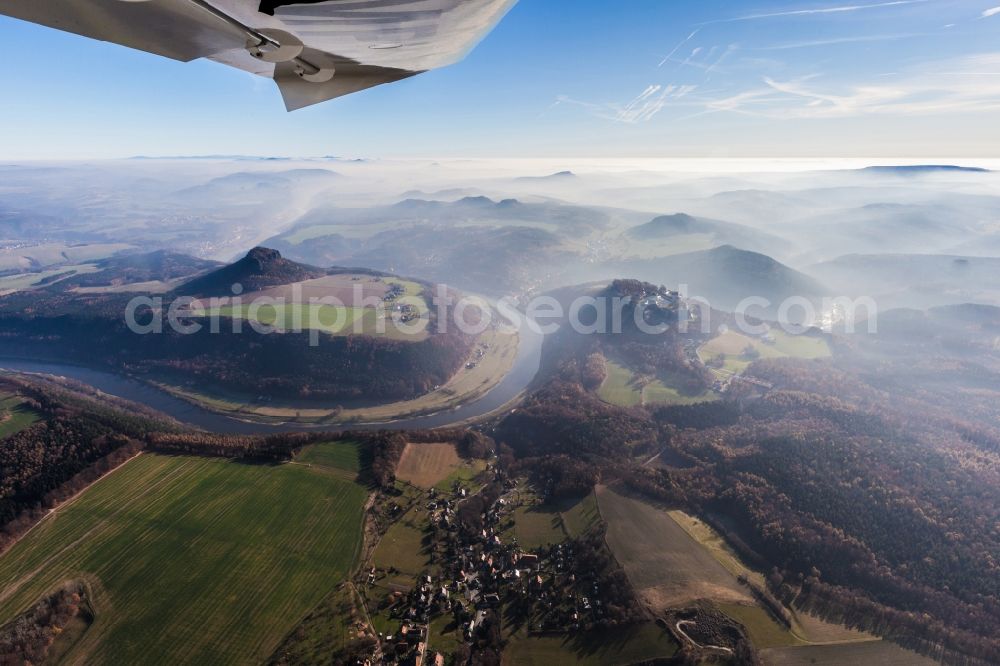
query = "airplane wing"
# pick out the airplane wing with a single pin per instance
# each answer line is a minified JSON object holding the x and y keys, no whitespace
{"x":315,"y":50}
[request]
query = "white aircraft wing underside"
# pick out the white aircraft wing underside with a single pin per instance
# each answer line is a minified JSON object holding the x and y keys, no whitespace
{"x":315,"y":50}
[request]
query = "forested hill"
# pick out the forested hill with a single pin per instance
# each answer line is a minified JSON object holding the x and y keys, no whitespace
{"x":126,"y":269}
{"x":725,"y":275}
{"x":260,"y":268}
{"x":867,"y":484}
{"x":312,"y":361}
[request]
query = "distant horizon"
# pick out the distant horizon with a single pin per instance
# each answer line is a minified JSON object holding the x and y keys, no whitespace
{"x":558,"y":164}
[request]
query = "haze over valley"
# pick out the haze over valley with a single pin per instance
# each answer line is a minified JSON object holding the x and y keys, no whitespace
{"x":908,"y":236}
{"x":718,"y":334}
{"x":499,"y":333}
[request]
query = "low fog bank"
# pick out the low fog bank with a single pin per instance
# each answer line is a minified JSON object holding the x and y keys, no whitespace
{"x":914,"y":235}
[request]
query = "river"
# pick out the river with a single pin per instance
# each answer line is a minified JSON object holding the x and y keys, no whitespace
{"x":529,"y":353}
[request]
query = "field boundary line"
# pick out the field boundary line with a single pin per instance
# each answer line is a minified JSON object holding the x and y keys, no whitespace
{"x":15,"y":587}
{"x":65,"y":503}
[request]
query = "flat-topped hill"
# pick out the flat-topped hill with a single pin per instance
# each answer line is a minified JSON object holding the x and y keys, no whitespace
{"x":261,"y":268}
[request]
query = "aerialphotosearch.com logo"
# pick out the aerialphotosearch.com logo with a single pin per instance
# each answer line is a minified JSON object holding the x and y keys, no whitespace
{"x":649,"y":310}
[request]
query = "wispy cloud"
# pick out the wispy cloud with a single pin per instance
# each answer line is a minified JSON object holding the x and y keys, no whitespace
{"x":641,"y":108}
{"x":707,"y":60}
{"x":970,"y":84}
{"x":953,"y":86}
{"x":690,"y":62}
{"x":841,"y":9}
{"x":733,"y":48}
{"x":840,"y":40}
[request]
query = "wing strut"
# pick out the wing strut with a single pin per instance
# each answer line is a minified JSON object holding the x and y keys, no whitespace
{"x":268,"y":48}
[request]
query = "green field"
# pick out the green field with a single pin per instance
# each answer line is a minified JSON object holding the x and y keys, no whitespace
{"x":579,"y":515}
{"x":800,"y":346}
{"x":623,"y":387}
{"x":813,"y":629}
{"x":192,"y":560}
{"x":334,"y":455}
{"x":19,"y":416}
{"x":601,"y":647}
{"x":402,"y":548}
{"x":24,"y":281}
{"x":619,"y":387}
{"x":663,"y":391}
{"x":732,"y":346}
{"x":289,"y":316}
{"x":465,"y":475}
{"x":764,"y":630}
{"x":327,"y":629}
{"x":332,"y":319}
{"x":58,"y":256}
{"x":538,"y":525}
{"x":402,"y":555}
{"x":882,"y":653}
{"x":411,"y":290}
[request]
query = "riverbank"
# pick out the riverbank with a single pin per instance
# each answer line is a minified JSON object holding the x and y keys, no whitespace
{"x":502,"y":395}
{"x":492,"y":359}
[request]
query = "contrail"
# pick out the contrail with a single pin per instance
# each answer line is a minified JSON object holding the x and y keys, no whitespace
{"x":677,"y":48}
{"x":823,"y":10}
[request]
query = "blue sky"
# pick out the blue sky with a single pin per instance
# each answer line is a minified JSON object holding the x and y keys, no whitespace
{"x":642,"y":78}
